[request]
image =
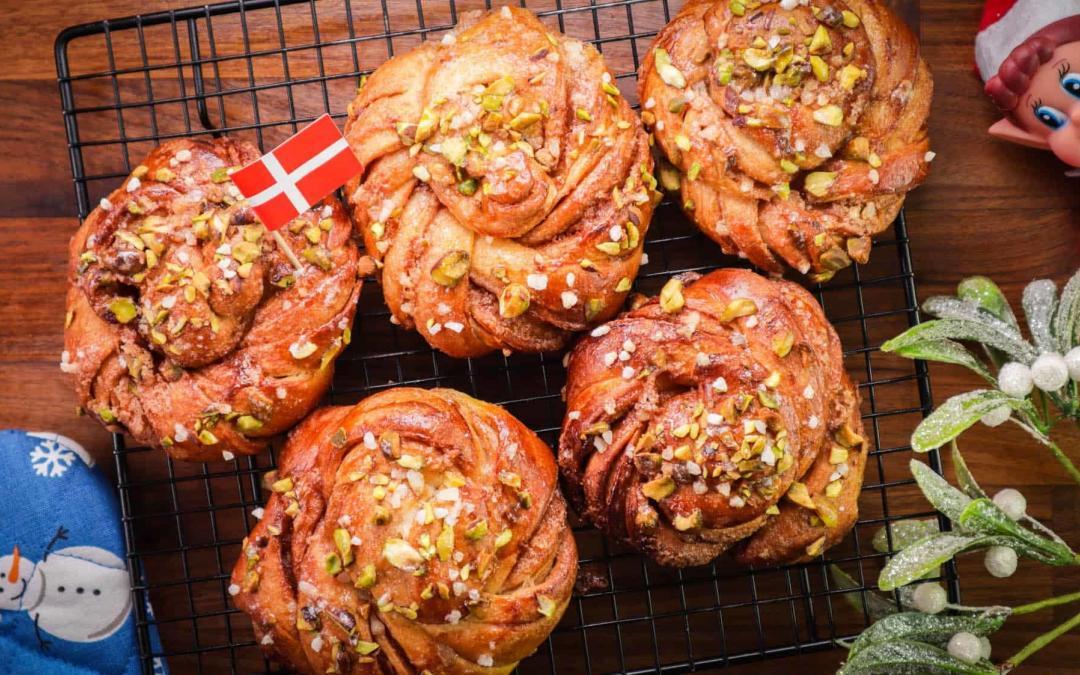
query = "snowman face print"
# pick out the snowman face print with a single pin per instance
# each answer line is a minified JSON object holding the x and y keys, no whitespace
{"x":21,"y":583}
{"x":78,"y":593}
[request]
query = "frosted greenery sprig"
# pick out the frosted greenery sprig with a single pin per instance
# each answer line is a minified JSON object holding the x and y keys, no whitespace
{"x":930,"y":635}
{"x":1035,"y":385}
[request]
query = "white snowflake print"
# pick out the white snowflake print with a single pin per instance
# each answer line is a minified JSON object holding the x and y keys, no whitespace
{"x":51,"y":459}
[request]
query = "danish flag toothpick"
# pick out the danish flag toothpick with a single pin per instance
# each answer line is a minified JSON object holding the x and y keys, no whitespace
{"x":286,"y":181}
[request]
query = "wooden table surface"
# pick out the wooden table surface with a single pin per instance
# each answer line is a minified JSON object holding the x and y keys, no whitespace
{"x":987,"y":208}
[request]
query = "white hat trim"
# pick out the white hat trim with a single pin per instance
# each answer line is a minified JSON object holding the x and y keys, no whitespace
{"x":994,"y":44}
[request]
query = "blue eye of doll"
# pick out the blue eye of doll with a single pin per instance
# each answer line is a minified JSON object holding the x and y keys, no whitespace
{"x":1071,"y":84}
{"x":1051,"y":117}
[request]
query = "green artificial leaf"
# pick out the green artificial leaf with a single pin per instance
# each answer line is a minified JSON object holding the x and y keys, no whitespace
{"x":985,"y":517}
{"x":1015,"y":347}
{"x":1040,"y":302}
{"x":929,"y":553}
{"x":958,"y":413}
{"x":1067,"y":319}
{"x":941,"y":351}
{"x":986,"y":294}
{"x":904,"y":534}
{"x":901,"y":657}
{"x":938,"y":492}
{"x":964,"y":479}
{"x":862,"y":599}
{"x":935,"y":629}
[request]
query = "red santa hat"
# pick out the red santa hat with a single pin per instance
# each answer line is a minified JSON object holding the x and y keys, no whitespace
{"x":1007,"y":23}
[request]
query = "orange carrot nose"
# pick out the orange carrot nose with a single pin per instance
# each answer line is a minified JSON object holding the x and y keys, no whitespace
{"x":13,"y":573}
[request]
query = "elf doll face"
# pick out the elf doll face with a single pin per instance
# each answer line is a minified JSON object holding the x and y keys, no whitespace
{"x":1048,"y":115}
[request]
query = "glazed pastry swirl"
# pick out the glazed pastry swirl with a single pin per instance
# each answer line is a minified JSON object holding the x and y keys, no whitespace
{"x":508,"y":186}
{"x":186,"y":326}
{"x":419,"y":531}
{"x":795,"y":130}
{"x":716,"y":416}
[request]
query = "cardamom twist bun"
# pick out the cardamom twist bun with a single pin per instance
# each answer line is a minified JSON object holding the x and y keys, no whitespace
{"x":186,"y":326}
{"x":418,"y":531}
{"x":693,"y":416}
{"x":508,"y":186}
{"x":797,"y":132}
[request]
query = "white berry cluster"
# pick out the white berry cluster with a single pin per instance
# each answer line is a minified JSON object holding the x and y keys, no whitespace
{"x":1050,"y":372}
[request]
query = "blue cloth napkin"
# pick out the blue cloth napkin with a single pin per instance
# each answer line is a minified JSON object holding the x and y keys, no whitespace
{"x":65,"y":598}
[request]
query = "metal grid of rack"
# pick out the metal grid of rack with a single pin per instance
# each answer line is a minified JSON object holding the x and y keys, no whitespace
{"x":261,"y":69}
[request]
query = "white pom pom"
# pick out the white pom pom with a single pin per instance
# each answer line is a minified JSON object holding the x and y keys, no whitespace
{"x":1072,"y":362}
{"x":1050,"y":372}
{"x":1011,"y":502}
{"x":965,"y":646}
{"x":997,"y":416}
{"x":1000,"y":561}
{"x":1015,"y":379}
{"x":985,"y":650}
{"x":929,"y":598}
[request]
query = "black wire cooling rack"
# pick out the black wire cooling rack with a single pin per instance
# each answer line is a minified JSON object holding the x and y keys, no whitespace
{"x":263,"y":68}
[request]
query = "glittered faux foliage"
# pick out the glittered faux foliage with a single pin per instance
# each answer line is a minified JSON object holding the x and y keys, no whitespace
{"x":1033,"y":380}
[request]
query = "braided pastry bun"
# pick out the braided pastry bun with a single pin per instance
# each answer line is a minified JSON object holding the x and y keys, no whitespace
{"x":418,"y":531}
{"x":186,"y":326}
{"x":797,"y":131}
{"x":508,"y":186}
{"x":693,"y":416}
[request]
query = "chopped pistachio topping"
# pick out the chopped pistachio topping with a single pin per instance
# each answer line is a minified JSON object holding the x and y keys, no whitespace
{"x":402,"y":555}
{"x":513,"y":300}
{"x":682,"y":141}
{"x":838,"y":455}
{"x":782,"y":343}
{"x":830,"y":115}
{"x":671,"y":296}
{"x":332,"y":564}
{"x":363,"y":647}
{"x":451,"y":268}
{"x":848,"y":437}
{"x":504,"y":538}
{"x":477,"y":531}
{"x":694,"y":172}
{"x":658,"y":488}
{"x":623,"y":285}
{"x":800,"y":495}
{"x":123,"y":309}
{"x":819,"y":68}
{"x":692,"y":521}
{"x":759,"y":59}
{"x":738,"y":307}
{"x":444,"y":543}
{"x":832,"y":490}
{"x":282,"y":485}
{"x":248,"y":423}
{"x":671,"y":75}
{"x":545,"y":605}
{"x":343,"y":543}
{"x":819,"y":182}
{"x":366,"y":578}
{"x":851,"y":19}
{"x":849,"y":76}
{"x":821,"y":43}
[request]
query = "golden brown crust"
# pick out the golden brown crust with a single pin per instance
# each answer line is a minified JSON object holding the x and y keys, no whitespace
{"x":186,"y":326}
{"x":416,"y":531}
{"x":797,"y":133}
{"x":508,"y":186}
{"x":691,"y":417}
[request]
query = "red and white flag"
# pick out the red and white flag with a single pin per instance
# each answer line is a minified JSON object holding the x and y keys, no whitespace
{"x":286,"y":181}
